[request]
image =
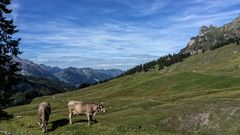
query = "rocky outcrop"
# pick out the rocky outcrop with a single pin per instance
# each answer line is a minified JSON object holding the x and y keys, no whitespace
{"x":213,"y":37}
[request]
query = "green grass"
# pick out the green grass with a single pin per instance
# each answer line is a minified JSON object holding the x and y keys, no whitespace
{"x":198,"y":96}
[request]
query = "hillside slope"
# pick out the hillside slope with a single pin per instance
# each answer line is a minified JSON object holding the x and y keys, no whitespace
{"x":201,"y":95}
{"x":30,"y":87}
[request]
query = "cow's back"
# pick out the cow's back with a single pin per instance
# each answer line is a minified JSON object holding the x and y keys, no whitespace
{"x":72,"y":106}
{"x":44,"y":109}
{"x":78,"y":107}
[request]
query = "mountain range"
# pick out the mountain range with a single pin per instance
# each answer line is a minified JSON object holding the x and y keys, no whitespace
{"x":71,"y":75}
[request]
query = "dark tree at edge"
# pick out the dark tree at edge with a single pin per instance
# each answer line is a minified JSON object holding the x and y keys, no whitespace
{"x":9,"y":48}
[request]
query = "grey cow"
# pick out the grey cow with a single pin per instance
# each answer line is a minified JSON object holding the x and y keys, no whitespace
{"x":44,"y":112}
{"x":80,"y":108}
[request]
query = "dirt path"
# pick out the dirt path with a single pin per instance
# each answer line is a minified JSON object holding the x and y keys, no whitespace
{"x":143,"y":98}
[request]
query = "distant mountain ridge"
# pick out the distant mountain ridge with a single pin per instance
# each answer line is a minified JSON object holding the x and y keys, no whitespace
{"x":71,"y":75}
{"x":112,"y":72}
{"x":31,"y":69}
{"x":76,"y":76}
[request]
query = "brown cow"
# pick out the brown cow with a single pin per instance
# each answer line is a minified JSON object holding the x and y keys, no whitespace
{"x":44,"y":112}
{"x":80,"y":108}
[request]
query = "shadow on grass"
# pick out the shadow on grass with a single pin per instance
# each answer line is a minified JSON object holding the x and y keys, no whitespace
{"x":62,"y":122}
{"x":5,"y":115}
{"x":79,"y":121}
{"x":58,"y":123}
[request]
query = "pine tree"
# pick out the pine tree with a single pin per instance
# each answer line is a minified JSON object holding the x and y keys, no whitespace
{"x":8,"y":50}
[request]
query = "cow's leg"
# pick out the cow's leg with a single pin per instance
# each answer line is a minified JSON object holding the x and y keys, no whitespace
{"x":40,"y":122}
{"x":43,"y":126}
{"x":89,"y":119}
{"x":70,"y":118}
{"x":46,"y":122}
{"x":91,"y":116}
{"x":46,"y":128}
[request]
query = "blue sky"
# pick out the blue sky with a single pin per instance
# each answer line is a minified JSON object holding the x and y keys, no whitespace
{"x":112,"y":33}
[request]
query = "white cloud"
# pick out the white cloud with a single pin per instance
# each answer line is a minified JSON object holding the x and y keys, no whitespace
{"x":145,"y":7}
{"x":153,"y":8}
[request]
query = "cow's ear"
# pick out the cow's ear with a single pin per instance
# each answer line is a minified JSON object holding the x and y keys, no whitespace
{"x":102,"y":103}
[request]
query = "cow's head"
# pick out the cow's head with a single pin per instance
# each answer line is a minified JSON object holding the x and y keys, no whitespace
{"x":100,"y":108}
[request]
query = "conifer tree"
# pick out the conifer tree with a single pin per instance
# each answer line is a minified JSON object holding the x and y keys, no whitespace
{"x":9,"y":48}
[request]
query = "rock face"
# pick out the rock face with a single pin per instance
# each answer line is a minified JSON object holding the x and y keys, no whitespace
{"x":191,"y":42}
{"x":213,"y":37}
{"x":205,"y":29}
